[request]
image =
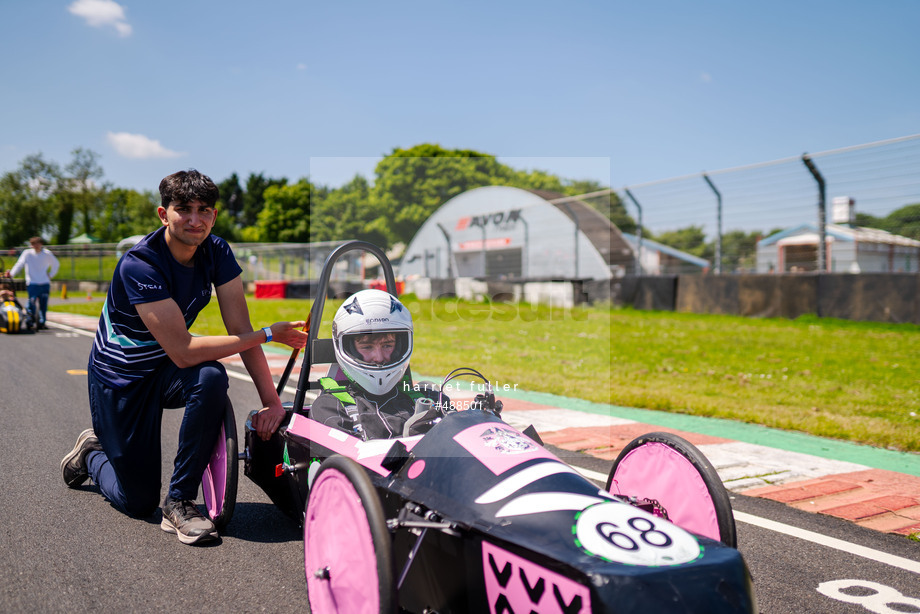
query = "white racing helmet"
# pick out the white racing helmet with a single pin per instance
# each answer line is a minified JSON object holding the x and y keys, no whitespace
{"x":367,"y":312}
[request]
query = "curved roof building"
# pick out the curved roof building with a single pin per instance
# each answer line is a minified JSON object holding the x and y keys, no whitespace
{"x":511,"y":233}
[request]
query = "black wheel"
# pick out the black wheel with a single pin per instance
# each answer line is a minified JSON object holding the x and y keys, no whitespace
{"x":671,"y":470}
{"x":219,"y":481}
{"x":348,"y":551}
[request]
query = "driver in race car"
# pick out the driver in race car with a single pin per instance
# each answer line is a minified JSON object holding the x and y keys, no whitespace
{"x":372,"y":340}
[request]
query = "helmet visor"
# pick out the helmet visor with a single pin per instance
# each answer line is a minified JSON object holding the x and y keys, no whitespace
{"x":378,"y":349}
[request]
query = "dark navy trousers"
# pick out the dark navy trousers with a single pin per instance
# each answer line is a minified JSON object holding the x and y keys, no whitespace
{"x":38,"y":301}
{"x":128,"y":423}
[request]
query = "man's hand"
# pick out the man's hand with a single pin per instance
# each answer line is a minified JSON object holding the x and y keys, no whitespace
{"x":267,"y":421}
{"x":290,"y":333}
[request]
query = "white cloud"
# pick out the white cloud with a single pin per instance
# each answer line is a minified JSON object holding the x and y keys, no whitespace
{"x":138,"y":146}
{"x":706,"y":77}
{"x":301,"y":66}
{"x":101,"y":13}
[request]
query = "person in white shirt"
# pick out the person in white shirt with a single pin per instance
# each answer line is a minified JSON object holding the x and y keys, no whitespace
{"x":40,"y":266}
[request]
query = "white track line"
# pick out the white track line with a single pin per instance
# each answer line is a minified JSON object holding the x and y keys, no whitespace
{"x":593,"y":475}
{"x":831,"y":542}
{"x":72,"y":329}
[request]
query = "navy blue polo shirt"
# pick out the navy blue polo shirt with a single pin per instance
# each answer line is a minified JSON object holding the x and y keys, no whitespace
{"x":124,"y":351}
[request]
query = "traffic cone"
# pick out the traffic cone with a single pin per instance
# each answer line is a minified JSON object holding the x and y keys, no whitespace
{"x":89,"y":295}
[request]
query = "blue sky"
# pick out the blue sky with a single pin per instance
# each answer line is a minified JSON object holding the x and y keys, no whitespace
{"x":618,"y":92}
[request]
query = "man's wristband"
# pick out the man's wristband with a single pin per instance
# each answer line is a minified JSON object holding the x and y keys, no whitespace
{"x":268,"y":333}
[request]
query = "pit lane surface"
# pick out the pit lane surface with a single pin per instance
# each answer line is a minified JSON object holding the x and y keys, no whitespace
{"x":68,"y":550}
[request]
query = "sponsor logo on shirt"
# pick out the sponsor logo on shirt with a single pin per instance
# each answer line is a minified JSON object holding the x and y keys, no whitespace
{"x":143,"y":287}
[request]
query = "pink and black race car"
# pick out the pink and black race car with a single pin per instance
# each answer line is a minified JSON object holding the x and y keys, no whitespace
{"x":476,"y":516}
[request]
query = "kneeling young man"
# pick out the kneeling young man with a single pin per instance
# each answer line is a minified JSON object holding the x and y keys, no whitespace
{"x":144,"y":360}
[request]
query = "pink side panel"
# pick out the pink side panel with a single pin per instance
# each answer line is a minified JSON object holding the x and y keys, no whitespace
{"x":515,"y":584}
{"x":657,"y":471}
{"x":342,"y":443}
{"x":499,"y":447}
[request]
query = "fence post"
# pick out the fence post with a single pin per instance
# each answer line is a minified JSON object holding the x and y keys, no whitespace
{"x":822,"y":216}
{"x":718,"y":258}
{"x":577,"y":230}
{"x":450,"y":253}
{"x":638,"y":232}
{"x":525,"y":265}
{"x":482,"y":251}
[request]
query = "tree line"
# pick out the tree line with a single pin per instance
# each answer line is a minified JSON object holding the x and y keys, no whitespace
{"x":40,"y":197}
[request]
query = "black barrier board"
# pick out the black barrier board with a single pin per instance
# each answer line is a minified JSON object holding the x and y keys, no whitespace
{"x":708,"y":294}
{"x":777,"y":296}
{"x":656,"y":293}
{"x":877,"y":297}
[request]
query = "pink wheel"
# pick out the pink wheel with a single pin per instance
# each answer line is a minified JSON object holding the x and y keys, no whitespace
{"x":219,"y":481}
{"x":672,"y":471}
{"x":348,"y":559}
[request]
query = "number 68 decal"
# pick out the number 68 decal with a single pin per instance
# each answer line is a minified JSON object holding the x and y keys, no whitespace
{"x":877,"y":601}
{"x":621,"y":533}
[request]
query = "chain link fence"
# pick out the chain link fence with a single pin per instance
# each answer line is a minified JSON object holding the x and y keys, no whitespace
{"x":783,"y":205}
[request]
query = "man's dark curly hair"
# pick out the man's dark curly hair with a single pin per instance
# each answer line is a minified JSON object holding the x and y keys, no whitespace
{"x":187,"y":186}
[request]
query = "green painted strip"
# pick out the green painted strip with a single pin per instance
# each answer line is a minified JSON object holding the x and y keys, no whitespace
{"x":271,"y":349}
{"x":833,"y":449}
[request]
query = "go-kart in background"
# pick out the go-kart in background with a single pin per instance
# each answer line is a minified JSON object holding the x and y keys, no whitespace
{"x":874,"y":488}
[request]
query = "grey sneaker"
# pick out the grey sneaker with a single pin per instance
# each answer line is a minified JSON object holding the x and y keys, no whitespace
{"x":189,"y":525}
{"x":73,"y":466}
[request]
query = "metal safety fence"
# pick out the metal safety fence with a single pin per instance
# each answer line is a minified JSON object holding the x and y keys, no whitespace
{"x":854,"y":209}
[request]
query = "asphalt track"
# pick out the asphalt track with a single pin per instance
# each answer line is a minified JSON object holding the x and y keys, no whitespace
{"x":68,"y":550}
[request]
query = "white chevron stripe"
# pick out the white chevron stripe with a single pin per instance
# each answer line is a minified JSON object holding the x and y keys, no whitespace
{"x":538,"y":503}
{"x":519,"y":480}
